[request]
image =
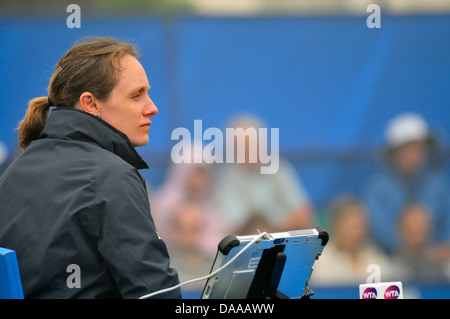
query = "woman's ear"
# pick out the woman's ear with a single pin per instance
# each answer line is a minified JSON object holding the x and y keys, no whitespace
{"x":88,"y":103}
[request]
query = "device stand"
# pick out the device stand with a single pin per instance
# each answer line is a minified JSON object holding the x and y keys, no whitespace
{"x":268,"y":275}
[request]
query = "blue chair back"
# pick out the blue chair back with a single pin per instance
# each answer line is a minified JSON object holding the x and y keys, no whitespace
{"x":10,"y":283}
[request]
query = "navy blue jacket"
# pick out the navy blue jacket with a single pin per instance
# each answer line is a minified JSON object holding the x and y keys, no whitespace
{"x":74,"y":199}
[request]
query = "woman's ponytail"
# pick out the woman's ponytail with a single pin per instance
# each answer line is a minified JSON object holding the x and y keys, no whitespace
{"x":33,"y":123}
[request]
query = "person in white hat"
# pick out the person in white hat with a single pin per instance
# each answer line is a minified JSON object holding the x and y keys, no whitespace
{"x":406,"y":176}
{"x":408,"y":142}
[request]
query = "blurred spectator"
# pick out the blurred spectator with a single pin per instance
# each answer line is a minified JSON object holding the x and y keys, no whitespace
{"x":419,"y":261}
{"x":192,"y":183}
{"x":408,"y":174}
{"x":251,"y":200}
{"x":345,"y":259}
{"x":187,"y":225}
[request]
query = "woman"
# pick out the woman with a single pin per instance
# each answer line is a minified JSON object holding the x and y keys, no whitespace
{"x":75,"y":196}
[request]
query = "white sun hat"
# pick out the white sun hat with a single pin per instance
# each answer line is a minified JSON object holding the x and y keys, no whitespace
{"x":406,"y":128}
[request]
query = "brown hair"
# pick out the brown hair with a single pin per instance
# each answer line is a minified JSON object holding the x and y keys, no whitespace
{"x":91,"y":65}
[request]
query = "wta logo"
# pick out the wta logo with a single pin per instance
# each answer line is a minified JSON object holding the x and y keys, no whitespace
{"x":369,"y":293}
{"x":392,"y":292}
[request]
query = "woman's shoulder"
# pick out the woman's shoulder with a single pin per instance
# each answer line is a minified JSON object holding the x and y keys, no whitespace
{"x":111,"y":168}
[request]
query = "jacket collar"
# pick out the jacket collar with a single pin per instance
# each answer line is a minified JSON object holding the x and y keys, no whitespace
{"x":72,"y":124}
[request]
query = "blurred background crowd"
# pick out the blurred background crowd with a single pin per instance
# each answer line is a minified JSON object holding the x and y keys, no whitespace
{"x":363,"y":117}
{"x":399,"y":220}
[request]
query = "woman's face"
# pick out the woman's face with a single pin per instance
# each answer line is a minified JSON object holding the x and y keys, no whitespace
{"x":129,"y":107}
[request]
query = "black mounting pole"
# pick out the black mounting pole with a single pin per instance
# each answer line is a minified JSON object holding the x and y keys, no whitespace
{"x":268,"y":275}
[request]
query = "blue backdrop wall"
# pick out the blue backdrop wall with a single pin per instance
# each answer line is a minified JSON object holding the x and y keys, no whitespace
{"x":328,"y":83}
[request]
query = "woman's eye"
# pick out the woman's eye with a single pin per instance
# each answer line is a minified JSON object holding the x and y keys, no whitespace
{"x":137,"y":96}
